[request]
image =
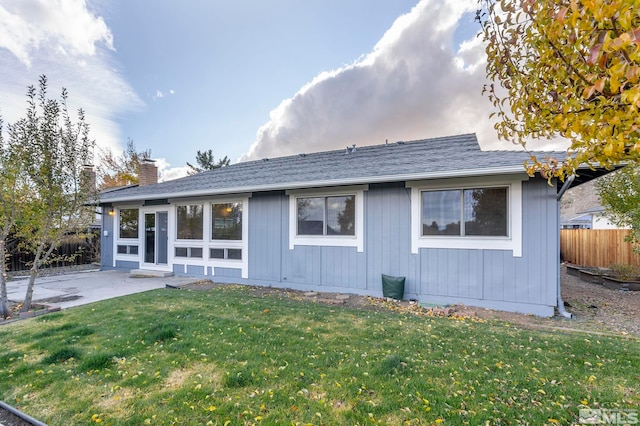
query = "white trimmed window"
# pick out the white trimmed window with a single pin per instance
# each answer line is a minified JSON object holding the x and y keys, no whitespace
{"x":467,"y":213}
{"x":189,"y":222}
{"x":127,"y":243}
{"x":327,"y":217}
{"x":228,"y":239}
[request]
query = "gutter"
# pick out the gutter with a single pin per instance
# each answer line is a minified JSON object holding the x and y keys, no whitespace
{"x":564,"y":188}
{"x":315,"y":184}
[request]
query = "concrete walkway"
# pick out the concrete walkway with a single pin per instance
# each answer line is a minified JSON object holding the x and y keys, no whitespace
{"x":81,"y":288}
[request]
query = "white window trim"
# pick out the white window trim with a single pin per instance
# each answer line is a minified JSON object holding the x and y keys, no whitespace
{"x":356,"y":240}
{"x":513,"y":242}
{"x":239,"y":244}
{"x":187,"y":241}
{"x":117,"y":241}
{"x":207,"y":242}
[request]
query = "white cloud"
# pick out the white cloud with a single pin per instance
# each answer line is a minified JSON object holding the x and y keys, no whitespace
{"x":160,"y":94}
{"x":29,"y":25}
{"x":74,"y":48}
{"x":167,"y":172}
{"x":415,"y":84}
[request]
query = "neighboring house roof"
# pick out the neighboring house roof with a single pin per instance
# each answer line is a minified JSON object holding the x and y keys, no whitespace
{"x":584,"y":219}
{"x":593,"y":210}
{"x":445,"y":157}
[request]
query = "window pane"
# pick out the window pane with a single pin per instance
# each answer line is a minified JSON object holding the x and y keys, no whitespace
{"x":226,"y":221}
{"x":485,"y":212}
{"x":133,"y":249}
{"x":310,"y":216}
{"x":235,"y":254}
{"x":181,"y":252}
{"x":441,"y":212}
{"x":216,"y":253}
{"x":122,"y":249}
{"x":189,"y":222}
{"x":128,"y":223}
{"x":341,"y":215}
{"x":196,"y":252}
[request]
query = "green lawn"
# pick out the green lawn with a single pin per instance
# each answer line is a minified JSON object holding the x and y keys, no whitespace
{"x":224,"y":357}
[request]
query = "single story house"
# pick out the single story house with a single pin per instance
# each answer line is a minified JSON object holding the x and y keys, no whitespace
{"x":461,"y":224}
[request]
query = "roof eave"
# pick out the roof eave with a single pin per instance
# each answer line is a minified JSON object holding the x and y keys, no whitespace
{"x":324,"y":183}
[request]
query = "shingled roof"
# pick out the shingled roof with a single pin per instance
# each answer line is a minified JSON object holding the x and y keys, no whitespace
{"x":453,"y":156}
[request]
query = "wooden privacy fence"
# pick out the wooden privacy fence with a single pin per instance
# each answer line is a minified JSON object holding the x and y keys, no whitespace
{"x":597,"y":247}
{"x":84,"y":250}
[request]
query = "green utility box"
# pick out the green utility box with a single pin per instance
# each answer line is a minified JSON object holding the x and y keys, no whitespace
{"x":393,"y":287}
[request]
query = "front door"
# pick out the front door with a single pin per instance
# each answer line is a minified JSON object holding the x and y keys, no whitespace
{"x":155,"y":238}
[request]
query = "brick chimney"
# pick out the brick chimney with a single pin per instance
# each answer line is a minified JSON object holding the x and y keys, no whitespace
{"x":148,"y":172}
{"x":88,"y":178}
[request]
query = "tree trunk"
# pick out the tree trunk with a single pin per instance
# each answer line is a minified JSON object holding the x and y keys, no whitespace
{"x":4,"y":300}
{"x":28,"y":298}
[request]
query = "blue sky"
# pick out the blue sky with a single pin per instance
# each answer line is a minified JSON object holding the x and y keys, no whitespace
{"x":250,"y":79}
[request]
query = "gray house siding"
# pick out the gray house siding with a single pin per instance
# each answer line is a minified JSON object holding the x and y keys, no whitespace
{"x":267,"y":212}
{"x":495,"y":278}
{"x":480,"y":277}
{"x":106,"y":240}
{"x":388,"y":236}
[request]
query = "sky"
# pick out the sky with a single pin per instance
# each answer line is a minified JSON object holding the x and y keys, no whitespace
{"x":251,"y":79}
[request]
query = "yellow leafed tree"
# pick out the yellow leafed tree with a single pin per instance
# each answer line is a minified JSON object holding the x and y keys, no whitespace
{"x":566,"y":68}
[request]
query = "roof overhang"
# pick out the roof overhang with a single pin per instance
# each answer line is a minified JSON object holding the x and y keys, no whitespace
{"x":321,"y":183}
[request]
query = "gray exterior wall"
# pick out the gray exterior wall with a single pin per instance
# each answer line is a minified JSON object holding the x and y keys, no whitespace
{"x":476,"y":277}
{"x":106,"y":241}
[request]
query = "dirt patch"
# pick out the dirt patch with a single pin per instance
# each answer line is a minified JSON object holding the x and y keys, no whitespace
{"x":595,"y":308}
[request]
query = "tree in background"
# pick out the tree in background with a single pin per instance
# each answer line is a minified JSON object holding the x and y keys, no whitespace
{"x":206,"y":161}
{"x":566,"y":68}
{"x":120,"y":170}
{"x":620,"y":196}
{"x":54,"y":153}
{"x":12,"y":204}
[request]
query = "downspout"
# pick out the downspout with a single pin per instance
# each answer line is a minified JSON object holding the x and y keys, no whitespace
{"x":565,"y":186}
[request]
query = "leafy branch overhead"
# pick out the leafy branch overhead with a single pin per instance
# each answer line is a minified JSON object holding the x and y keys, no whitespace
{"x":121,"y":170}
{"x":566,"y":68}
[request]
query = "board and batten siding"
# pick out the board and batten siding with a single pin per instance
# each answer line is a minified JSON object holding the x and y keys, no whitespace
{"x":495,"y":278}
{"x":107,"y":238}
{"x":477,"y":277}
{"x":388,"y":237}
{"x":490,"y":278}
{"x":267,"y":212}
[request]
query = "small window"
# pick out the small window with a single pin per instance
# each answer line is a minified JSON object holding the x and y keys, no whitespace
{"x":216,"y":253}
{"x":225,"y":253}
{"x":226,"y":221}
{"x":128,"y":223}
{"x":326,"y":215}
{"x":193,"y":252}
{"x":235,"y":254}
{"x":468,"y":212}
{"x":189,"y":222}
{"x":126,"y":249}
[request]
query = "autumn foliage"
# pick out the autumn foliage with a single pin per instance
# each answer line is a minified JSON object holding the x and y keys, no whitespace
{"x":568,"y":68}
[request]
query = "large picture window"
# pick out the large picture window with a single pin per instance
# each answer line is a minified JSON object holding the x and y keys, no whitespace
{"x":226,"y":221}
{"x":465,"y":212}
{"x":189,"y":222}
{"x":326,"y":215}
{"x":329,"y":217}
{"x":128,"y":226}
{"x":480,"y":212}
